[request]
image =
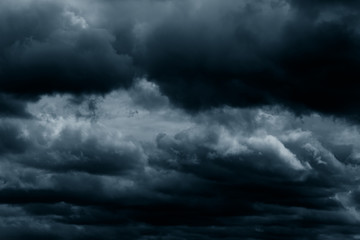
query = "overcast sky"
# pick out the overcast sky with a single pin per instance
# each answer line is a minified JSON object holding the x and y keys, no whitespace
{"x":179,"y":119}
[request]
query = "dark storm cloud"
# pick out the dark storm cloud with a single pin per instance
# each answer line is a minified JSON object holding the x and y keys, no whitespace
{"x":71,"y":151}
{"x":247,"y":174}
{"x":10,"y":106}
{"x":260,"y":53}
{"x":318,"y":5}
{"x":48,"y":48}
{"x":11,"y":139}
{"x":238,"y":53}
{"x":90,"y":161}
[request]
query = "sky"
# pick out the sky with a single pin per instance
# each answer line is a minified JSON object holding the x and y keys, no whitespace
{"x":179,"y":119}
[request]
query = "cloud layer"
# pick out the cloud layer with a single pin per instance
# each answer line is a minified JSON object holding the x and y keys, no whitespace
{"x":193,"y":119}
{"x":257,"y":53}
{"x":225,"y":173}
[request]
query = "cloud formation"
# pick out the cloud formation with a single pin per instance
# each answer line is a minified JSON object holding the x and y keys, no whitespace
{"x":193,"y":119}
{"x":302,"y":56}
{"x":48,"y":47}
{"x":258,"y":53}
{"x":223,"y":173}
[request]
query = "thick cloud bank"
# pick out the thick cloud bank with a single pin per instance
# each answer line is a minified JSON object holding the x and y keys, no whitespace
{"x":47,"y":47}
{"x":80,"y":171}
{"x":191,"y":119}
{"x":303,"y":55}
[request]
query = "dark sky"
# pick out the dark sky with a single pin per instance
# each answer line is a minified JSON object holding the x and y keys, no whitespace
{"x":179,"y":119}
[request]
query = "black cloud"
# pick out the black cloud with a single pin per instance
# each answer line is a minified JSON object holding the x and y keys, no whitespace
{"x":12,"y":140}
{"x":235,"y":53}
{"x":47,"y":49}
{"x":310,"y":62}
{"x":10,"y":106}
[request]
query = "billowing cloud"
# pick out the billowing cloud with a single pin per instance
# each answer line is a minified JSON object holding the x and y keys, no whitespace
{"x":48,"y":47}
{"x":228,"y":172}
{"x":263,"y":52}
{"x":258,"y":53}
{"x":164,"y":119}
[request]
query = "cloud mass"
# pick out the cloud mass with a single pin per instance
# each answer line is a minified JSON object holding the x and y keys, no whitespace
{"x":258,"y":53}
{"x":202,"y":119}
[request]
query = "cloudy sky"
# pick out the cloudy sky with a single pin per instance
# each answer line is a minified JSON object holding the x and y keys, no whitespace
{"x":179,"y":119}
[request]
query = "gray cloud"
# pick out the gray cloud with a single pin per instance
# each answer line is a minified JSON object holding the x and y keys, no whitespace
{"x":235,"y":173}
{"x":200,"y":119}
